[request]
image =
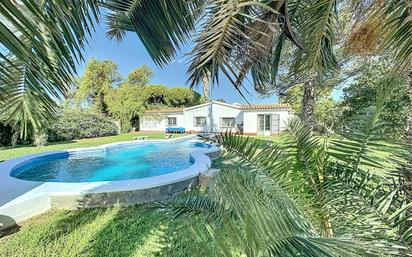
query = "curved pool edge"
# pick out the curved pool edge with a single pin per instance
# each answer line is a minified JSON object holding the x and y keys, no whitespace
{"x":21,"y":199}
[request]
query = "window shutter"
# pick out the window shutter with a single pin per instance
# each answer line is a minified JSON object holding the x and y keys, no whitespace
{"x":194,"y":121}
{"x":275,"y":122}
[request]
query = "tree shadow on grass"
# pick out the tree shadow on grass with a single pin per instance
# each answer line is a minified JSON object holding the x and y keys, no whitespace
{"x":68,"y":222}
{"x":131,"y":230}
{"x":137,"y":231}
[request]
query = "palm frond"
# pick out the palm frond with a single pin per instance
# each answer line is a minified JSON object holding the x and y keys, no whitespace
{"x":252,"y":152}
{"x":175,"y":21}
{"x":42,"y":41}
{"x":265,"y":221}
{"x":394,"y":17}
{"x":363,"y":130}
{"x":316,"y":25}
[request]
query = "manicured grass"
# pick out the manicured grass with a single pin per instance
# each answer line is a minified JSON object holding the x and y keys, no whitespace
{"x":116,"y":231}
{"x":278,"y":140}
{"x":10,"y":153}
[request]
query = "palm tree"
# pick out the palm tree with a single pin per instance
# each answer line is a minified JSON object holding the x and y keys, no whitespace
{"x":240,"y":39}
{"x":206,"y":86}
{"x":309,"y":196}
{"x":332,"y":193}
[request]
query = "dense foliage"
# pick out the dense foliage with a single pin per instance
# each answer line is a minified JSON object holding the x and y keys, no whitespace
{"x":81,"y":123}
{"x":99,"y":77}
{"x":140,"y":76}
{"x":125,"y":103}
{"x":327,"y":112}
{"x":6,"y":131}
{"x":182,"y":97}
{"x":312,"y":196}
{"x":129,"y":101}
{"x":102,"y":89}
{"x":362,"y":92}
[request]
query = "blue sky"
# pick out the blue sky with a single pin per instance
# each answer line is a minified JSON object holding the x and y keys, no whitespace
{"x":130,"y":53}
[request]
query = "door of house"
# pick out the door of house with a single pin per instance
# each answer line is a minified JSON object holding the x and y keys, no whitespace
{"x":275,"y":123}
{"x":267,"y":124}
{"x":264,"y":124}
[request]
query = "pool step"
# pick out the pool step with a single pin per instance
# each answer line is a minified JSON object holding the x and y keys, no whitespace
{"x":207,"y":177}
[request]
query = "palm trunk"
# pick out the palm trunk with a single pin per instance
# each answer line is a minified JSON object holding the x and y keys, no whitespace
{"x":206,"y":86}
{"x":308,"y":104}
{"x":407,"y":168}
{"x":327,"y":226}
{"x":408,"y":171}
{"x":409,"y":134}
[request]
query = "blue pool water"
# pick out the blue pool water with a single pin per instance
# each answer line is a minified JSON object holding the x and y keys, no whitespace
{"x":119,"y":163}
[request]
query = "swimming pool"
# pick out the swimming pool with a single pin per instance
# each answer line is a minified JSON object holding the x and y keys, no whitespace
{"x":122,"y":162}
{"x":114,"y":174}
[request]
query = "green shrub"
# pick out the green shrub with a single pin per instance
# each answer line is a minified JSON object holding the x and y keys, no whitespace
{"x":6,"y":133}
{"x":76,"y":124}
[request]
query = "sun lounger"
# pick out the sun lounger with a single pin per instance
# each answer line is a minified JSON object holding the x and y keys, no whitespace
{"x":140,"y":138}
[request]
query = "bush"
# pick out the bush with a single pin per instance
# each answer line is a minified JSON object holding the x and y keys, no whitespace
{"x":6,"y":133}
{"x":77,"y":124}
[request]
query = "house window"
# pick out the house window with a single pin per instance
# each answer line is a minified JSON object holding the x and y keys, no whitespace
{"x":171,"y":121}
{"x":200,"y":121}
{"x":227,"y":122}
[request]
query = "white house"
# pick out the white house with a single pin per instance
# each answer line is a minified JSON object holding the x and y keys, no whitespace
{"x":214,"y":116}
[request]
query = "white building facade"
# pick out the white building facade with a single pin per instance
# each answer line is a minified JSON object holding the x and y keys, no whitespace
{"x":214,"y":116}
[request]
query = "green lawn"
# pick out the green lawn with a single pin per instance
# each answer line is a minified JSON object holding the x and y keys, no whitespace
{"x":116,"y":231}
{"x":9,"y":153}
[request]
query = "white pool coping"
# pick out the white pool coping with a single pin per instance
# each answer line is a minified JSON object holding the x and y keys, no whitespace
{"x":21,"y":199}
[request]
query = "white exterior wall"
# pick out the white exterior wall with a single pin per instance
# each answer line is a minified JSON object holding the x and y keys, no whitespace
{"x":191,"y":113}
{"x":185,"y":119}
{"x":180,"y":120}
{"x":221,"y":111}
{"x":158,"y":121}
{"x":213,"y":113}
{"x":250,"y":119}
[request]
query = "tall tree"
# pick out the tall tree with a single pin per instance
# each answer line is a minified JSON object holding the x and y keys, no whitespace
{"x":98,"y":79}
{"x":125,"y":103}
{"x":206,"y":86}
{"x":362,"y":92}
{"x":235,"y":38}
{"x":326,"y":113}
{"x":140,"y":76}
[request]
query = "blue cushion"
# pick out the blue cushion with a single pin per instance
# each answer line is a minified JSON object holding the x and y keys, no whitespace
{"x":180,"y":130}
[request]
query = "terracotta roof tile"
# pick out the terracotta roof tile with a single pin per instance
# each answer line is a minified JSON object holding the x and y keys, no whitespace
{"x":171,"y":110}
{"x":243,"y":107}
{"x":264,"y":106}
